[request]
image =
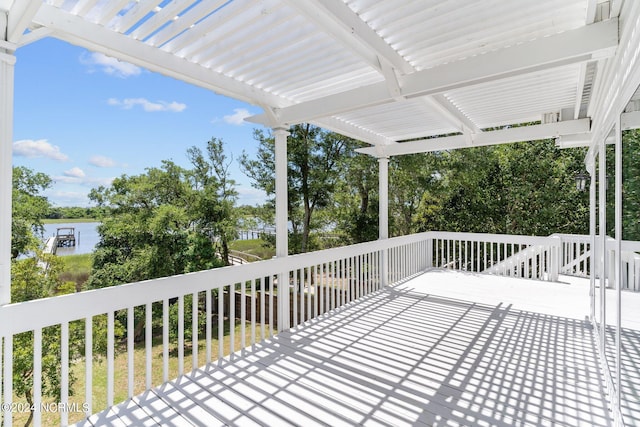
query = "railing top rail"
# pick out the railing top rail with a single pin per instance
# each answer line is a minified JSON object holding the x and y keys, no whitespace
{"x":26,"y":316}
{"x":630,"y":246}
{"x":496,"y":238}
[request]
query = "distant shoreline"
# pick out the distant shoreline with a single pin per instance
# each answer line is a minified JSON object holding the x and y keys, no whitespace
{"x":68,"y":220}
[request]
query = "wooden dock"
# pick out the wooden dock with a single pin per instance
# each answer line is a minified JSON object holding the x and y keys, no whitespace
{"x":65,"y":237}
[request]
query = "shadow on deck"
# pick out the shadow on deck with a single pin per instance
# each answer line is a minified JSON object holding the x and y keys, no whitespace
{"x":407,"y":355}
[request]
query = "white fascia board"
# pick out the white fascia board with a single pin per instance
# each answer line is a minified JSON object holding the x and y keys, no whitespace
{"x":5,"y":5}
{"x":573,"y":141}
{"x":20,"y":17}
{"x":570,"y":47}
{"x":77,"y":31}
{"x":503,"y":136}
{"x":334,"y":17}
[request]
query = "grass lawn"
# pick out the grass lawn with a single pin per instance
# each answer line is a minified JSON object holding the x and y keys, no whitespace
{"x":257,"y":247}
{"x":77,"y":369}
{"x":76,"y":269}
{"x":68,"y":220}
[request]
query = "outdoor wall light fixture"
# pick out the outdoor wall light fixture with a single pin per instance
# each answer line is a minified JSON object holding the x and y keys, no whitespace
{"x":581,"y":181}
{"x":583,"y":178}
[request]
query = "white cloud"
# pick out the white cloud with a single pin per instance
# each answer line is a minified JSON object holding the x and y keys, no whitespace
{"x":251,"y":196}
{"x":38,"y":148}
{"x":238,"y":116}
{"x":75,"y":172}
{"x":102,"y":162}
{"x":110,"y":65}
{"x":148,"y":106}
{"x":69,"y":178}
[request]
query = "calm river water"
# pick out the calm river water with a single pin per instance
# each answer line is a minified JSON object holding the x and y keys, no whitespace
{"x":86,"y":236}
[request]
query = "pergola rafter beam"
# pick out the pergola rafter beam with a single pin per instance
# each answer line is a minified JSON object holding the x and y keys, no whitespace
{"x":503,"y":136}
{"x":352,"y":131}
{"x":20,"y":17}
{"x":452,"y":114}
{"x":83,"y":7}
{"x":110,"y":10}
{"x":570,"y":47}
{"x":77,"y":31}
{"x":337,"y":19}
{"x":185,"y":21}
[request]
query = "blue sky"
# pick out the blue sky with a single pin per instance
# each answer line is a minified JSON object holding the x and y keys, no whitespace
{"x":84,"y":118}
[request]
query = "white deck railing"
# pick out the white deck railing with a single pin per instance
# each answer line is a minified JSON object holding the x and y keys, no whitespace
{"x":249,"y":303}
{"x":236,"y":299}
{"x":505,"y":255}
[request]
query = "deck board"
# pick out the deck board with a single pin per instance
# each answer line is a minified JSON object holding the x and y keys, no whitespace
{"x":442,"y":349}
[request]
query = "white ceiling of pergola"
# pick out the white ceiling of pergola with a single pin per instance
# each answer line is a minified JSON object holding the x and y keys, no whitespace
{"x":383,"y":71}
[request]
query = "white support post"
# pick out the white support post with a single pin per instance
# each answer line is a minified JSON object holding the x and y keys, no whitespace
{"x":7,"y":62}
{"x":282,"y":221}
{"x":602,"y":244}
{"x":618,"y":259}
{"x":593,"y":265}
{"x":383,"y":215}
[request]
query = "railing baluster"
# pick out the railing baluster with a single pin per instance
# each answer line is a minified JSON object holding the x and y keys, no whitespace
{"x":315,"y":294}
{"x":88,"y":362}
{"x":130,"y":353}
{"x":302,"y":295}
{"x":37,"y":376}
{"x":220,"y":322}
{"x":232,"y":319}
{"x":110,"y":357}
{"x":295,"y":299}
{"x":180,"y":335}
{"x":272,"y":307}
{"x":207,"y":309}
{"x":334,"y":284}
{"x":253,"y":311}
{"x":64,"y":372}
{"x":194,"y":331}
{"x":321,"y":289}
{"x":165,"y":340}
{"x":8,"y":381}
{"x":148,"y":345}
{"x":262,"y":308}
{"x":243,"y":314}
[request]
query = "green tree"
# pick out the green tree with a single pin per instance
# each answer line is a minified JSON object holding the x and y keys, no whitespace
{"x":28,"y":209}
{"x":355,"y":208}
{"x":522,"y":188}
{"x":313,"y":159}
{"x":148,"y":233}
{"x":214,"y":210}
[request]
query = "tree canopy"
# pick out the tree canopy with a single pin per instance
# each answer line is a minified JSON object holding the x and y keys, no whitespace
{"x":169,"y":220}
{"x":29,"y":207}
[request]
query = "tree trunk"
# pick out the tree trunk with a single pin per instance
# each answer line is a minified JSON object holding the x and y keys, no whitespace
{"x":27,"y":395}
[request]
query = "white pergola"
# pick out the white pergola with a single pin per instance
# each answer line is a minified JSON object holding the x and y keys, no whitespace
{"x":404,"y":76}
{"x":382,"y":72}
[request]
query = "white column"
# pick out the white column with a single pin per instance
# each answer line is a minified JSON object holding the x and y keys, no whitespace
{"x":593,"y":266}
{"x":282,"y":215}
{"x":282,"y":224}
{"x":618,"y":259}
{"x":383,"y":190}
{"x":7,"y":61}
{"x":383,"y":216}
{"x":602,"y":228}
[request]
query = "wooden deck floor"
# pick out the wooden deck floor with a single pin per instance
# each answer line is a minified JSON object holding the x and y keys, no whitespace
{"x":444,"y":348}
